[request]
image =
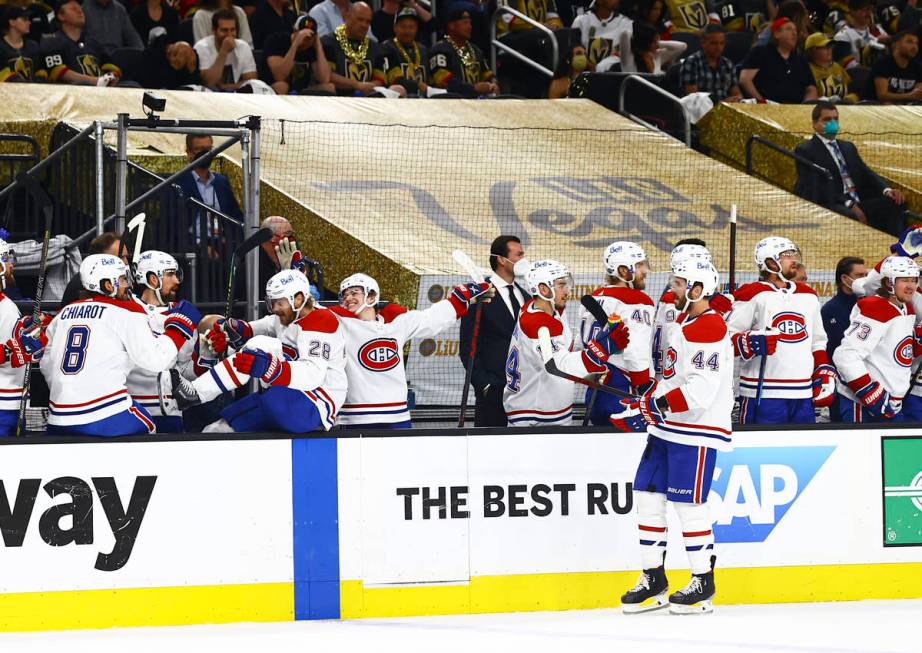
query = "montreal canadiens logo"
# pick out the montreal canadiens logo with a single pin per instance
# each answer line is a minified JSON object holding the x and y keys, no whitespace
{"x":791,"y":326}
{"x":379,"y":355}
{"x":903,"y":352}
{"x":669,"y":363}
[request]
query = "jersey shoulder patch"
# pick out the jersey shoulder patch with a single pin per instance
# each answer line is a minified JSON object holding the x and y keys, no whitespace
{"x":709,"y":327}
{"x":320,"y":319}
{"x":390,"y":312}
{"x":624,"y":295}
{"x":531,"y":320}
{"x":878,"y":308}
{"x":749,"y":290}
{"x":803,"y":288}
{"x":342,"y":311}
{"x":667,"y":298}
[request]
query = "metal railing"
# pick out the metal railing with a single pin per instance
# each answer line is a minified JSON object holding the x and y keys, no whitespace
{"x":669,"y":97}
{"x":755,"y":138}
{"x":499,"y":45}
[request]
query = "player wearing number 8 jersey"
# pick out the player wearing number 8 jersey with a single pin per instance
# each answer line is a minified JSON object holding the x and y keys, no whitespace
{"x":93,"y":345}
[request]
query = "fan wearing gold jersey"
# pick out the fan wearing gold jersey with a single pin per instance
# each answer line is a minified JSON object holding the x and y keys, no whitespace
{"x":352,"y":54}
{"x":691,"y":15}
{"x":458,"y":65}
{"x":403,"y":60}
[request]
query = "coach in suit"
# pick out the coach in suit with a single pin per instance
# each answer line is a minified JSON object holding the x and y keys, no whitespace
{"x":855,"y":190}
{"x":496,"y":324}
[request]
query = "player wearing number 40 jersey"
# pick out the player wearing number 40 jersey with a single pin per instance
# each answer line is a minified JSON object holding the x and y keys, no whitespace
{"x":93,"y":345}
{"x":377,"y":395}
{"x":532,"y":396}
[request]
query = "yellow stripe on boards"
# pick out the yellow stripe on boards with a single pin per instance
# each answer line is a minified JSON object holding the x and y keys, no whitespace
{"x":581,"y":591}
{"x":159,"y":606}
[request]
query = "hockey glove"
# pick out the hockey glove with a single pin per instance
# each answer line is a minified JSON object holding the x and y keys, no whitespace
{"x":909,"y":243}
{"x":203,"y":356}
{"x":876,"y":400}
{"x":228,"y":332}
{"x":747,"y":345}
{"x":181,"y":321}
{"x":267,"y":367}
{"x":28,"y":342}
{"x":463,"y":296}
{"x":824,"y":385}
{"x":640,"y":412}
{"x":606,"y":344}
{"x":721,"y":303}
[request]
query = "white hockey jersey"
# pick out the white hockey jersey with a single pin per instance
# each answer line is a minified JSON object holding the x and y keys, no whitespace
{"x":665,"y":314}
{"x":142,"y":383}
{"x":93,"y":344}
{"x":636,"y":311}
{"x":794,"y":312}
{"x":374,"y":359}
{"x":316,"y":347}
{"x":601,"y":37}
{"x":10,"y":377}
{"x":532,"y":397}
{"x":697,"y":383}
{"x":877,"y":346}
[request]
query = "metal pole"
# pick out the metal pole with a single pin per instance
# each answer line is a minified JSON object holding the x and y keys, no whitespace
{"x":253,"y":289}
{"x":121,"y":172}
{"x":51,"y":158}
{"x":100,"y":178}
{"x":252,"y":262}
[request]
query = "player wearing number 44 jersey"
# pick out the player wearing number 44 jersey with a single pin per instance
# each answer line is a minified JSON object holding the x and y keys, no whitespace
{"x":532,"y":396}
{"x":93,"y":345}
{"x":877,"y":350}
{"x":779,"y":320}
{"x":687,"y":418}
{"x":297,"y":353}
{"x":377,"y":395}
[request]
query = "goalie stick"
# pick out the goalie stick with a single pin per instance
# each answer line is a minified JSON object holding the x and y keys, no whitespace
{"x":547,"y":355}
{"x":254,"y":241}
{"x":475,"y":273}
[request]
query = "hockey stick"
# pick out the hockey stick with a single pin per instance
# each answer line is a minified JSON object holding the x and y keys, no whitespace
{"x":44,"y":201}
{"x":595,"y":309}
{"x":137,"y":222}
{"x":471,"y":268}
{"x":254,"y":241}
{"x":547,"y":355}
{"x":731,"y":280}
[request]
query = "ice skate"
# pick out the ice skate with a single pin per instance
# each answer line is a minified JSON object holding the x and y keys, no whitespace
{"x":648,"y":594}
{"x":183,"y":391}
{"x":695,"y":598}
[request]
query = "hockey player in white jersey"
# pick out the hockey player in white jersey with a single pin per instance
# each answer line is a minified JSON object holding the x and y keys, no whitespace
{"x":626,"y":269}
{"x":297,"y":353}
{"x":665,"y":312}
{"x":95,"y":342}
{"x":877,"y":350}
{"x":780,"y":319}
{"x":159,"y":276}
{"x":687,"y":418}
{"x":532,"y":396}
{"x":377,"y":395}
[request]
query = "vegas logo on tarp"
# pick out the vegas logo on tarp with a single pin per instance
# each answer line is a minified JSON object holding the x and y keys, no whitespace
{"x":902,"y":488}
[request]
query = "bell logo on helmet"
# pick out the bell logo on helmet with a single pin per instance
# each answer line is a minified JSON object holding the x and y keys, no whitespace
{"x":791,"y":326}
{"x":379,"y":355}
{"x":903,"y":352}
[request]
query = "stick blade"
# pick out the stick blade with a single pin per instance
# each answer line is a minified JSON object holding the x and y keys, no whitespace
{"x":255,"y":240}
{"x":595,"y":309}
{"x":467,"y":264}
{"x":136,"y":220}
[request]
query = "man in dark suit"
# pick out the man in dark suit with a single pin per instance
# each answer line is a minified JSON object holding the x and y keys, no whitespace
{"x":496,"y":324}
{"x":855,"y":190}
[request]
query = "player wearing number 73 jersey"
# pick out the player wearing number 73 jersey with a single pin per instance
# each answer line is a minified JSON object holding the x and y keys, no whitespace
{"x":532,"y":396}
{"x":95,"y":342}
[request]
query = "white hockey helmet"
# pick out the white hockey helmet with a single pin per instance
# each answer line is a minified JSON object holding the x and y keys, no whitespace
{"x":623,"y":252}
{"x":157,"y":263}
{"x":256,"y":87}
{"x":366,"y":283}
{"x":772,"y":248}
{"x":97,"y":268}
{"x":286,"y":285}
{"x":895,"y":267}
{"x":682,"y":253}
{"x":547,"y":272}
{"x":7,"y":259}
{"x":698,"y":270}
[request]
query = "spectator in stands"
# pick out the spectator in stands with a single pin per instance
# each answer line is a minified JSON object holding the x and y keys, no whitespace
{"x":268,"y":257}
{"x":855,"y":190}
{"x":107,"y":23}
{"x":271,"y":16}
{"x":836,"y":313}
{"x":20,"y":56}
{"x":383,"y":21}
{"x":212,"y":189}
{"x":201,"y":20}
{"x":600,"y":31}
{"x":38,"y":13}
{"x":746,"y":15}
{"x":529,"y":41}
{"x":297,"y":62}
{"x":107,"y":242}
{"x":643,"y":52}
{"x":155,"y":13}
{"x":690,"y":16}
{"x":497,"y":320}
{"x":776,"y":72}
{"x":653,"y":13}
{"x":457,"y":64}
{"x":405,"y":62}
{"x":72,"y":58}
{"x":225,"y":61}
{"x":867,"y":40}
{"x":171,"y":66}
{"x":796,"y":12}
{"x":352,"y":54}
{"x":897,"y":78}
{"x":708,"y":71}
{"x":573,"y":65}
{"x":832,"y":81}
{"x":329,"y":15}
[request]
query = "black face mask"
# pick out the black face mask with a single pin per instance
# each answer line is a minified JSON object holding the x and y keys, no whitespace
{"x":203,"y":164}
